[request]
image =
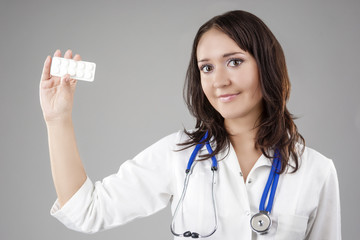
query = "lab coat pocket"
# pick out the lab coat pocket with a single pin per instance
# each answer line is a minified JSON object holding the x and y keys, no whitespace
{"x":291,"y":227}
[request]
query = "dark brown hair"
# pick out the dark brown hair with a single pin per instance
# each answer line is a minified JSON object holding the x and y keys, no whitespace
{"x":276,"y":128}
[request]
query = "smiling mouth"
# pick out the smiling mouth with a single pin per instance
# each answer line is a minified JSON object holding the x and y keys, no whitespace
{"x":228,"y":97}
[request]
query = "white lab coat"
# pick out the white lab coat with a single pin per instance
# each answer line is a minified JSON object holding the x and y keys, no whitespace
{"x":306,"y":204}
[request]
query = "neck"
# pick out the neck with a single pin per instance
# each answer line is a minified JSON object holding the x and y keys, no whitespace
{"x":242,"y":131}
{"x":242,"y":134}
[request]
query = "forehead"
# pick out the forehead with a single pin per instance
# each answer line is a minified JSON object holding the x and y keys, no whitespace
{"x":214,"y":43}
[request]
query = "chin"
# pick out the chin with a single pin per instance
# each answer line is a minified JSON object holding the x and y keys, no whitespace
{"x":231,"y":115}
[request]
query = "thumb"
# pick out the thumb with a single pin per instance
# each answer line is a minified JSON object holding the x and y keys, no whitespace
{"x":65,"y":80}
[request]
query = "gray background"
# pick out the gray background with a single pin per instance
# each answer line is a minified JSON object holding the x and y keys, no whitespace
{"x":142,"y":49}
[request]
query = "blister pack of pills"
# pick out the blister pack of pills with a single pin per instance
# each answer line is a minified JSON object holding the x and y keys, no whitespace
{"x":79,"y":70}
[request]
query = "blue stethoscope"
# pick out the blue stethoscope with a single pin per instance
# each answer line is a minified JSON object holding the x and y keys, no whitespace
{"x":260,"y":222}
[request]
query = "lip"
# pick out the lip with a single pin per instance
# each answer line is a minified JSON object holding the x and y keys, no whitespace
{"x":228,"y":97}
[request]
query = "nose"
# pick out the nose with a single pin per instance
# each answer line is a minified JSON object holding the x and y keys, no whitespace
{"x":221,"y":78}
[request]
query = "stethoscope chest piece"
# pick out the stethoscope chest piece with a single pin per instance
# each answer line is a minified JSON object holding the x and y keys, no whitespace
{"x":261,"y":222}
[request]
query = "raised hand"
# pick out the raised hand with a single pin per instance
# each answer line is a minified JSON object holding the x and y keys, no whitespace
{"x":57,"y":94}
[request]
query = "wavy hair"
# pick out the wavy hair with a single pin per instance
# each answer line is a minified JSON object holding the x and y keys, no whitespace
{"x":276,"y":128}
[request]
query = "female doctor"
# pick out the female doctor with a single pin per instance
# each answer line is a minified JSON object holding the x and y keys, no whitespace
{"x":243,"y":172}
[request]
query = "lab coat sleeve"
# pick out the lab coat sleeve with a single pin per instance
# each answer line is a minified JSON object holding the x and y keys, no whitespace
{"x":326,"y":221}
{"x":141,"y":187}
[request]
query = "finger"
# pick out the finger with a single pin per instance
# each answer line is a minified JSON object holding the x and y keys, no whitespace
{"x":46,"y":69}
{"x":57,"y":53}
{"x":65,"y":79}
{"x":77,"y":57}
{"x":68,"y":54}
{"x":72,"y":81}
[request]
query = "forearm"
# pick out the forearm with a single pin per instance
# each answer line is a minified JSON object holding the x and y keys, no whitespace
{"x":67,"y":169}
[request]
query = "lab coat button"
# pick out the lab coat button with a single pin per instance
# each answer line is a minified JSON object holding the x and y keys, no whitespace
{"x":249,"y":181}
{"x":241,"y":174}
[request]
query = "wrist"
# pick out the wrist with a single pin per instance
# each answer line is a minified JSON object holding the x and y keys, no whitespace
{"x":66,"y":121}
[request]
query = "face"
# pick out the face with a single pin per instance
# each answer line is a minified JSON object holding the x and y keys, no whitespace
{"x":229,"y":76}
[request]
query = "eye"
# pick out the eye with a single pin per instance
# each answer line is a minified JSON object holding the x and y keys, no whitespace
{"x":235,"y":62}
{"x":206,"y":68}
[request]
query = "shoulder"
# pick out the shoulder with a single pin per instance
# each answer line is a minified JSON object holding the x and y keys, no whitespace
{"x":173,"y":139}
{"x":315,"y":159}
{"x":315,"y":165}
{"x":167,"y":143}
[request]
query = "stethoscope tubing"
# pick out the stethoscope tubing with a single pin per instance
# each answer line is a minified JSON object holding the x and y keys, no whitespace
{"x":271,"y":182}
{"x":197,"y":149}
{"x":188,"y":172}
{"x":186,"y":182}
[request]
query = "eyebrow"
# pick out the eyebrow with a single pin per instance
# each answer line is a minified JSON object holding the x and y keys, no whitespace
{"x":224,"y":56}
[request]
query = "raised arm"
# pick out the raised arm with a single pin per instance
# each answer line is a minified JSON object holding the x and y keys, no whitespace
{"x":56,"y":99}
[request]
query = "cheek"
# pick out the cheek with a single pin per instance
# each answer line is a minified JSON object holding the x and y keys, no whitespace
{"x":253,"y":85}
{"x":258,"y":94}
{"x":205,"y":87}
{"x":209,"y":93}
{"x":247,"y":78}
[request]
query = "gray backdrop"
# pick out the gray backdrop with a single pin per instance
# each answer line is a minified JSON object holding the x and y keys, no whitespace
{"x":142,"y":50}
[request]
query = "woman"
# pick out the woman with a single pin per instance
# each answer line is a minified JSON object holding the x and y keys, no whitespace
{"x":237,"y":87}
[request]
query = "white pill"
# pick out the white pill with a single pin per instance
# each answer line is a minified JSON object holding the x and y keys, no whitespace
{"x":71,"y":71}
{"x":63,"y":71}
{"x":89,"y":67}
{"x":55,"y":69}
{"x":79,"y":74}
{"x":56,"y":61}
{"x":72,"y":64}
{"x":80,"y":65}
{"x":88,"y":75}
{"x":64,"y":62}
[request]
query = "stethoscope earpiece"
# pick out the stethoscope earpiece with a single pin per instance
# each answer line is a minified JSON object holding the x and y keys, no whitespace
{"x":190,"y":234}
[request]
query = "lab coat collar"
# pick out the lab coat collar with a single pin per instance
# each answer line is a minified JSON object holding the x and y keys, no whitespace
{"x":228,"y":157}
